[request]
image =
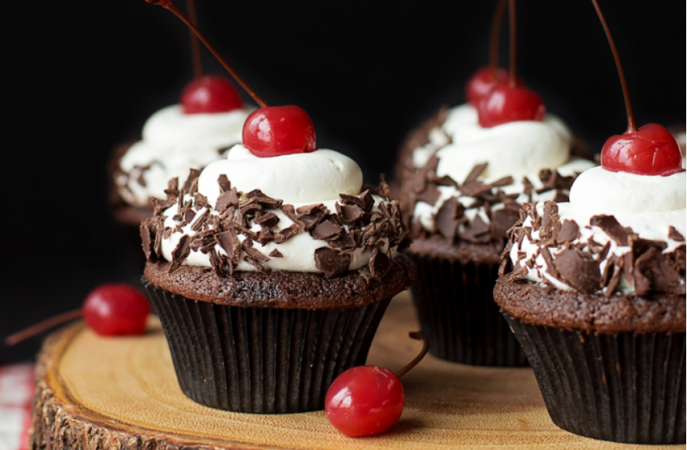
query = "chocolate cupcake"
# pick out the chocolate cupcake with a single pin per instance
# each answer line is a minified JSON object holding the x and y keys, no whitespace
{"x":270,"y":276}
{"x":594,"y":291}
{"x":461,"y":193}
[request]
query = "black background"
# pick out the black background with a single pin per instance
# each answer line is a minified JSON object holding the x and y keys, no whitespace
{"x":78,"y":77}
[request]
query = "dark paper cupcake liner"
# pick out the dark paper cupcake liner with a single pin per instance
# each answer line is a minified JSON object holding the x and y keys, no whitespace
{"x":456,"y":309}
{"x":623,"y":387}
{"x":262,"y":360}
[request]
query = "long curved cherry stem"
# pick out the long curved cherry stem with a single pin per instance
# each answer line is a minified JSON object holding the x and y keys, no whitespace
{"x":43,"y":326}
{"x":418,"y":336}
{"x":496,"y":22}
{"x":512,"y":80}
{"x":169,"y":6}
{"x":195,"y":44}
{"x":631,"y":124}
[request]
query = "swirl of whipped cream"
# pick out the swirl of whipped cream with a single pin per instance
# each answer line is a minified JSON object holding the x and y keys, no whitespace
{"x":517,"y":149}
{"x":600,"y":191}
{"x":299,"y":179}
{"x":173,"y":143}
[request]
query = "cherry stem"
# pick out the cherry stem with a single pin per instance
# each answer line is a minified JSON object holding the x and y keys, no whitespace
{"x":168,"y":5}
{"x":195,"y":45}
{"x":631,"y":124}
{"x":511,"y":72}
{"x":495,"y":34}
{"x":418,"y":336}
{"x":43,"y":326}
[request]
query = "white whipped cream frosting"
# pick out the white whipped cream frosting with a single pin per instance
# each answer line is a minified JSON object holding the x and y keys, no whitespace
{"x":647,"y":204}
{"x":518,"y":149}
{"x":299,"y":179}
{"x":173,"y":143}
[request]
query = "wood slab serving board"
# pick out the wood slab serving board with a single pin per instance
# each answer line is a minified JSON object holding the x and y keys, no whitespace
{"x":108,"y":393}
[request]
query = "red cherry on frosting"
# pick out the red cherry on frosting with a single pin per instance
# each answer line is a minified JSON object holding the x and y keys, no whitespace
{"x":210,"y":94}
{"x":483,"y":81}
{"x":364,"y":400}
{"x":113,"y":309}
{"x":651,"y":150}
{"x":279,"y":130}
{"x":509,"y":104}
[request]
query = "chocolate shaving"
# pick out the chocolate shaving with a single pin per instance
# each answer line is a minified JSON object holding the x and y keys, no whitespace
{"x":501,"y":221}
{"x":675,"y":235}
{"x":229,"y":242}
{"x":254,"y":253}
{"x":446,"y":219}
{"x":474,"y":173}
{"x":276,"y":254}
{"x":429,"y":195}
{"x":326,"y":230}
{"x":611,"y":227}
{"x":581,"y":273}
{"x":227,"y":199}
{"x":191,"y":184}
{"x":569,"y":231}
{"x":180,"y":253}
{"x":474,"y":188}
{"x":331,"y":262}
{"x":380,"y":264}
{"x":349,"y":213}
{"x":287,"y":233}
{"x":267,"y":220}
{"x":224,"y":184}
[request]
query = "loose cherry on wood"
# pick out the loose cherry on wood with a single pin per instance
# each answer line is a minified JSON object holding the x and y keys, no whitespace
{"x":364,"y":400}
{"x":210,"y":94}
{"x":651,"y":150}
{"x":368,"y":400}
{"x":113,"y":309}
{"x":110,"y":309}
{"x":279,"y":130}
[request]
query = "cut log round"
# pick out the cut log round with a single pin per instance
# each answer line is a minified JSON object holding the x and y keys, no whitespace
{"x":121,"y":393}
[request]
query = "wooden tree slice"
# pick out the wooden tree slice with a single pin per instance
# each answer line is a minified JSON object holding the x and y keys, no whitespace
{"x":110,"y":393}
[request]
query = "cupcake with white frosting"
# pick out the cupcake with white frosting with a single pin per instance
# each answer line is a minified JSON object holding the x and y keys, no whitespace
{"x":463,"y":194}
{"x":270,"y":276}
{"x":594,"y":290}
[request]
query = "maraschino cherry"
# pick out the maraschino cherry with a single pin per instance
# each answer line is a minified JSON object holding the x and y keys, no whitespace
{"x":368,"y":400}
{"x":486,"y":78}
{"x":270,"y":130}
{"x":109,"y":310}
{"x":649,"y":150}
{"x":210,"y":94}
{"x":510,"y":102}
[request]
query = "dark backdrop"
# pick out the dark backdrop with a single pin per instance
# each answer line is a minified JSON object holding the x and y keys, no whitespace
{"x":79,"y":77}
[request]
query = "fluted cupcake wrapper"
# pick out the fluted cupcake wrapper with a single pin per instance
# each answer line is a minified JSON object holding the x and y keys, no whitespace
{"x":622,"y":387}
{"x":456,"y":309}
{"x":262,"y":360}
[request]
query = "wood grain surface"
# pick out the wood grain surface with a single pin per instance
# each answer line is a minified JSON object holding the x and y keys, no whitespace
{"x":95,"y":392}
